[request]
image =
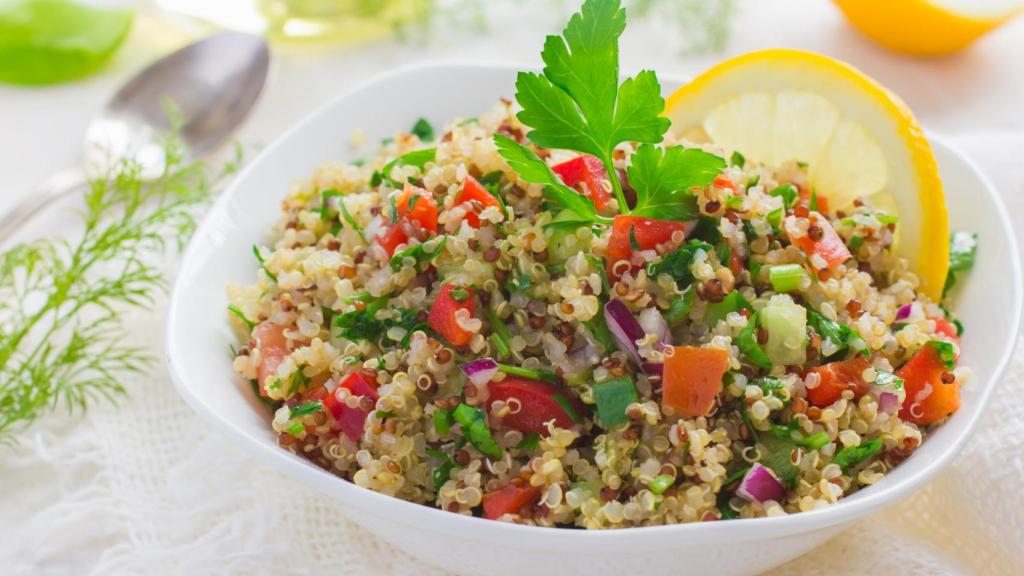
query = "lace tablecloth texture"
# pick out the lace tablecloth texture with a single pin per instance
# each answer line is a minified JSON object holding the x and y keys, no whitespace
{"x":148,"y":488}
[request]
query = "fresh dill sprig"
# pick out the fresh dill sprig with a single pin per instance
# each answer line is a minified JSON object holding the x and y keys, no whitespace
{"x":63,"y":302}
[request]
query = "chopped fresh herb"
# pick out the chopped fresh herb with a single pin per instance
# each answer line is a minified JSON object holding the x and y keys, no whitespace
{"x":855,"y":242}
{"x":793,"y":434}
{"x":529,"y":443}
{"x":384,"y":414}
{"x":459,"y":294}
{"x":724,"y":508}
{"x":680,"y":307}
{"x":299,"y":381}
{"x":363,"y":324}
{"x":263,"y":265}
{"x":474,"y":428}
{"x":500,"y":336}
{"x":613,"y":397}
{"x":677,"y":263}
{"x":663,"y":178}
{"x":736,"y":475}
{"x":788,"y":194}
{"x":599,"y":328}
{"x":578,"y":104}
{"x":887,"y":218}
{"x":774,"y":218}
{"x":492,"y":183}
{"x":327,"y":214}
{"x":946,"y":352}
{"x":840,"y":335}
{"x":660,"y":483}
{"x":296,"y":428}
{"x":305,"y":409}
{"x":771,"y":386}
{"x":746,"y":341}
{"x":564,"y":403}
{"x":440,"y":474}
{"x":753,"y":181}
{"x":851,"y":456}
{"x":734,"y":201}
{"x":545,"y":375}
{"x":443,"y":421}
{"x":737,"y":159}
{"x":423,"y":130}
{"x":417,"y":158}
{"x":963,"y":248}
{"x":813,"y":205}
{"x":418,"y":253}
{"x":776,"y":455}
{"x":632,"y":238}
{"x":241,"y":316}
{"x":888,"y":380}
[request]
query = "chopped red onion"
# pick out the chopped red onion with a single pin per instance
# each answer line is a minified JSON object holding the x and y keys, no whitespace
{"x":904,"y":312}
{"x":889,"y":402}
{"x":624,"y":327}
{"x":760,"y":484}
{"x":480,"y":371}
{"x":653,"y":322}
{"x":653,"y":368}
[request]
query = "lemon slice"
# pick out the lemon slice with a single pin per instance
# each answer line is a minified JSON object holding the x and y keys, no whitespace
{"x":927,"y":27}
{"x":859,"y":140}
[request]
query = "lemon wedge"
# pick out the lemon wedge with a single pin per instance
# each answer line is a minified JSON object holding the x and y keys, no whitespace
{"x":927,"y":27}
{"x":859,"y":139}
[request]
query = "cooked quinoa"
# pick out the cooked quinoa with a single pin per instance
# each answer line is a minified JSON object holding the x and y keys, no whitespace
{"x":376,"y":290}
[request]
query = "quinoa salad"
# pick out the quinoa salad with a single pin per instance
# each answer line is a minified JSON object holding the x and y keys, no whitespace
{"x":488,"y":318}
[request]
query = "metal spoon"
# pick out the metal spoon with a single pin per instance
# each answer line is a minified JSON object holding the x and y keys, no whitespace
{"x":211,"y":85}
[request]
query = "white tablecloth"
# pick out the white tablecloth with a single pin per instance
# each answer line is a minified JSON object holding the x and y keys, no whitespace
{"x":146,"y":487}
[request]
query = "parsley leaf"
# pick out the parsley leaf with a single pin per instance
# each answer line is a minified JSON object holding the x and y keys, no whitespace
{"x":534,"y":170}
{"x":852,"y":455}
{"x":305,"y":409}
{"x":417,"y":158}
{"x":419,"y":253}
{"x":578,"y":103}
{"x":423,"y":130}
{"x":663,"y":178}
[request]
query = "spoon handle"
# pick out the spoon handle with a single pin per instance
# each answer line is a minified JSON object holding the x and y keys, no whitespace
{"x":53,"y":188}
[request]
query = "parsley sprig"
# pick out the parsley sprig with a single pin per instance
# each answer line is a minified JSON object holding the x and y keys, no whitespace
{"x":578,"y":104}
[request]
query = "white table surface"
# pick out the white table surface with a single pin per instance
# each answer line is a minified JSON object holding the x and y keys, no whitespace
{"x":978,"y":97}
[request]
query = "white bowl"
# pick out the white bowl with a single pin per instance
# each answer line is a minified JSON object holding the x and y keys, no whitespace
{"x":198,"y":335}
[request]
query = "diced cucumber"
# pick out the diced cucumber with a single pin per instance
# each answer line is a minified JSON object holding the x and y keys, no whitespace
{"x":786,"y":323}
{"x":613,"y":397}
{"x":564,"y":243}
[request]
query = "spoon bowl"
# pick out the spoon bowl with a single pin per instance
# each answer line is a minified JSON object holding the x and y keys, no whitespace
{"x":204,"y":90}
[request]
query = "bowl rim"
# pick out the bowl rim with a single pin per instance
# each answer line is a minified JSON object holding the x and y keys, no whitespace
{"x":523,"y":536}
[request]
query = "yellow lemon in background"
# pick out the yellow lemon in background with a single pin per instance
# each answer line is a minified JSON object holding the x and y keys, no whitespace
{"x":858,"y":139}
{"x":927,"y":27}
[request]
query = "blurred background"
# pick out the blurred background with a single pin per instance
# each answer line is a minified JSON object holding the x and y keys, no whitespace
{"x":323,"y":47}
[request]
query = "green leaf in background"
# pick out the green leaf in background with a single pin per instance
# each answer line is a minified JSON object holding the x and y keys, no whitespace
{"x":50,"y":41}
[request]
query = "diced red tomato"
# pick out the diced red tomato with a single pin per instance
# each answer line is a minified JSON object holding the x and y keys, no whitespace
{"x":648,"y":233}
{"x":422,"y":210}
{"x":835,"y":377}
{"x":273,"y":347}
{"x":509,"y":500}
{"x":588,"y":171}
{"x":928,"y":399}
{"x":692,"y":379}
{"x":442,"y":314}
{"x":349,"y":420}
{"x":946,"y":328}
{"x":723,"y":181}
{"x":830,"y":247}
{"x":539,"y":403}
{"x":392,"y":237}
{"x":473,"y":191}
